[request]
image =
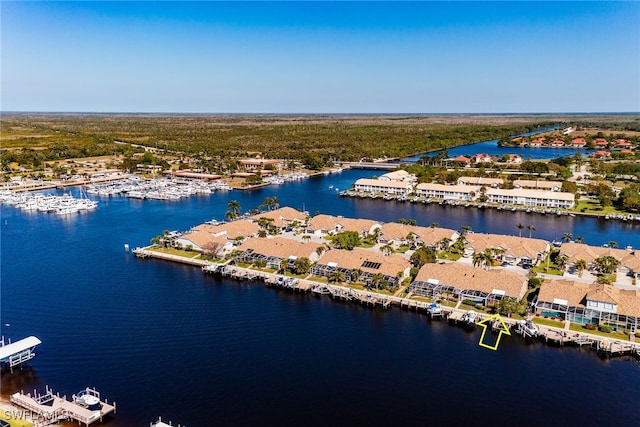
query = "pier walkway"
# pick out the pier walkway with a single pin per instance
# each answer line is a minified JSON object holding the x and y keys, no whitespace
{"x":374,"y":299}
{"x":50,"y":409}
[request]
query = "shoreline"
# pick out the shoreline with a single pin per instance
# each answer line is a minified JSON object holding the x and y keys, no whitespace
{"x":371,"y":298}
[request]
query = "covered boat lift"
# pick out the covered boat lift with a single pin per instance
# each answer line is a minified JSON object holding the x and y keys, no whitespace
{"x":16,"y":353}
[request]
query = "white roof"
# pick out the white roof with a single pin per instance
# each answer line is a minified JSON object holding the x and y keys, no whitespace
{"x":560,"y":301}
{"x":451,"y":188}
{"x":18,"y":346}
{"x":433,"y":281}
{"x":532,"y":194}
{"x":378,"y":183}
{"x":498,"y":292}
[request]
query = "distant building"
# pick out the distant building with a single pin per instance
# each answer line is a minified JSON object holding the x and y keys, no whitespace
{"x":537,"y":184}
{"x":397,"y":188}
{"x":475,"y":180}
{"x":448,"y":192}
{"x":578,"y":143}
{"x":259,"y":164}
{"x":531,"y":198}
{"x":323,"y":225}
{"x":511,"y":249}
{"x":481,"y":158}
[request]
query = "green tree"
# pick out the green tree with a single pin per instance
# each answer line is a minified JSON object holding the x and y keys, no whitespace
{"x":346,"y":240}
{"x":531,"y":229}
{"x":422,"y":256}
{"x":336,"y":277}
{"x":567,"y":237}
{"x":519,"y":226}
{"x":581,"y":265}
{"x":606,"y":264}
{"x":234,"y":208}
{"x":302,"y":265}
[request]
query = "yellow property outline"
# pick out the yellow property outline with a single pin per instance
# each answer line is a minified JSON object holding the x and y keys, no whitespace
{"x":504,"y":329}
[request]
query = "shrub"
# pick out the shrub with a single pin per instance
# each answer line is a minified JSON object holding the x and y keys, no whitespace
{"x":605,"y":328}
{"x":590,"y":326}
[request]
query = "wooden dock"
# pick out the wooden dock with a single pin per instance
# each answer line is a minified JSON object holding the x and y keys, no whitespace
{"x":51,"y":408}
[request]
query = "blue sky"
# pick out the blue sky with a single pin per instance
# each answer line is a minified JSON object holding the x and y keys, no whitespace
{"x":295,"y":57}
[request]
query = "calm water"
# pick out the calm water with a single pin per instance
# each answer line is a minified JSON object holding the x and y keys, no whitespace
{"x":491,"y":147}
{"x":163,"y":339}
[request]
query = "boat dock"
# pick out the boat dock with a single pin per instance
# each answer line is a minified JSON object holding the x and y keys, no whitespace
{"x":17,"y":353}
{"x":372,"y":299}
{"x":48,"y":408}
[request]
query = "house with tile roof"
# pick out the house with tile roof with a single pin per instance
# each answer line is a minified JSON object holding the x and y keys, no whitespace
{"x":510,"y":249}
{"x":221,"y":236}
{"x":361,"y":264}
{"x":466,"y":282}
{"x":282,"y":217}
{"x":595,"y":304}
{"x":272,"y":251}
{"x":323,"y":225}
{"x":398,"y":234}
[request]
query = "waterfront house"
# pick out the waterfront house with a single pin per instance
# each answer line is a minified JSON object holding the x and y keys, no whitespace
{"x":557,"y":143}
{"x":510,"y":249}
{"x":282,"y":217}
{"x":481,"y":158}
{"x":537,"y":184}
{"x":578,"y":143}
{"x":466,"y":161}
{"x":476,"y":180}
{"x":600,"y":143}
{"x":601,"y":154}
{"x":531,"y":198}
{"x":595,"y":304}
{"x":621,"y":143}
{"x":514,"y":159}
{"x":324,"y":225}
{"x":361,"y":264}
{"x":220,"y":237}
{"x":272,"y":251}
{"x":403,"y":234}
{"x":377,"y":186}
{"x":536,"y":143}
{"x":448,"y":192}
{"x":470,"y":283}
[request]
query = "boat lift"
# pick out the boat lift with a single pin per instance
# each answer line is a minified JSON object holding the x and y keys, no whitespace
{"x":17,"y":353}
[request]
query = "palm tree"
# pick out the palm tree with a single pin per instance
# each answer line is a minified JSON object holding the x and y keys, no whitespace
{"x":579,"y":239}
{"x":306,"y":238}
{"x":613,"y":244}
{"x":477,"y":258}
{"x":488,"y":257}
{"x":355,"y":274}
{"x":336,"y":276}
{"x":581,"y":265}
{"x":434,"y":225}
{"x":465,"y":229}
{"x":234,"y":208}
{"x":567,"y":237}
{"x":444,"y":243}
{"x":531,"y":229}
{"x":519,"y":226}
{"x":377,"y":279}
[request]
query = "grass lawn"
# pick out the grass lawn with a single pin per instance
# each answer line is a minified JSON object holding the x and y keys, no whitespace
{"x":548,"y":322}
{"x":367,"y":245}
{"x":317,"y":279}
{"x":12,"y":422}
{"x":174,"y":251}
{"x":613,"y":335}
{"x":423,"y":299}
{"x":543,"y":269}
{"x":449,"y":255}
{"x":593,"y":206}
{"x":244,"y":264}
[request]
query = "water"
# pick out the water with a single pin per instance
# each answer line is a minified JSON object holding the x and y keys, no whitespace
{"x":165,"y":340}
{"x":491,"y":147}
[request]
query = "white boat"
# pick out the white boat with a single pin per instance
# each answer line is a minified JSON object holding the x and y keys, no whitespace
{"x":527,"y":328}
{"x":470,"y":317}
